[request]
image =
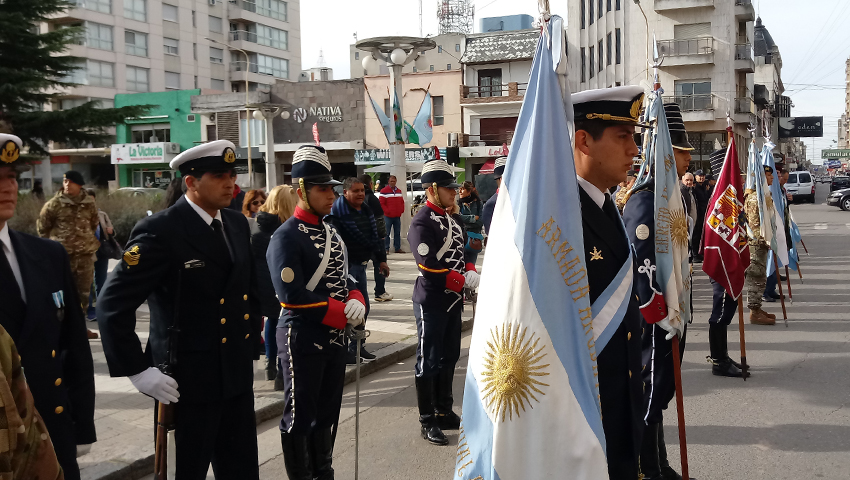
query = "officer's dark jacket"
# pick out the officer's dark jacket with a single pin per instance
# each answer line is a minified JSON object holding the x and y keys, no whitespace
{"x":620,"y":384}
{"x":441,"y":265}
{"x":52,"y":342}
{"x":268,"y":223}
{"x":295,"y":253}
{"x":173,"y":255}
{"x":487,"y":212}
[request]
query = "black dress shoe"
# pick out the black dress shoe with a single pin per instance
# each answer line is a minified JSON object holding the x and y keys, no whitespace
{"x":448,"y":421}
{"x":782,"y":278}
{"x":433,"y":434}
{"x":667,"y":473}
{"x":773,"y":295}
{"x":768,"y":298}
{"x":366,"y":355}
{"x":724,"y":368}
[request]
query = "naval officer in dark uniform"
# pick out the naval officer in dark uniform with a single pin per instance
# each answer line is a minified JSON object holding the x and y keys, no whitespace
{"x":192,"y":263}
{"x":604,"y":150}
{"x":657,"y":375}
{"x":437,"y":239}
{"x":490,"y":205}
{"x":307,"y":260}
{"x":40,"y":311}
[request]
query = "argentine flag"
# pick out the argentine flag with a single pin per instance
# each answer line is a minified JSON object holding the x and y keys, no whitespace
{"x":756,"y":180}
{"x":531,"y":401}
{"x":779,"y":200}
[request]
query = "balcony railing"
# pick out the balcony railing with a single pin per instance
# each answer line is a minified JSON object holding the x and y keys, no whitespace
{"x":261,"y":10}
{"x":745,"y":105}
{"x":689,"y":46}
{"x":743,"y":2}
{"x":511,"y":89}
{"x":692,"y":103}
{"x":239,"y":66}
{"x":254,"y":38}
{"x":744,"y":51}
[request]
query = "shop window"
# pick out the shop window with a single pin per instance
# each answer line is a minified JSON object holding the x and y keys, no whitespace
{"x":151,"y":133}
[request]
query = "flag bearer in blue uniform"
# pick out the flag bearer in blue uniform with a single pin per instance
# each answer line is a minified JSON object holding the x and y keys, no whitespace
{"x":437,"y":240}
{"x":604,"y":149}
{"x":657,"y":374}
{"x":192,"y":263}
{"x":307,"y":260}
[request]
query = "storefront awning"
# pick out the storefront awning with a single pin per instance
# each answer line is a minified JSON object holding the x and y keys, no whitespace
{"x":488,"y":167}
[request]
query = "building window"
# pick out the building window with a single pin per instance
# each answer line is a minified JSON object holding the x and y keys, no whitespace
{"x":600,"y":12}
{"x":590,"y":58}
{"x":457,"y":47}
{"x":258,"y":131}
{"x":357,"y":55}
{"x":582,"y":12}
{"x":69,"y":103}
{"x":414,"y":69}
{"x":431,"y":68}
{"x":271,"y":8}
{"x":99,"y":74}
{"x":98,"y":36}
{"x":194,"y":51}
{"x":448,"y":66}
{"x":137,"y":79}
{"x":135,"y":10}
{"x":151,"y":133}
{"x":135,"y":43}
{"x":172,"y":81}
{"x":608,"y":5}
{"x":693,"y":95}
{"x":196,"y":82}
{"x":608,"y":50}
{"x":490,"y":82}
{"x":215,"y":24}
{"x":216,"y":55}
{"x":217,"y":84}
{"x":388,"y":110}
{"x":169,"y":13}
{"x":171,"y":46}
{"x":601,"y":65}
{"x":276,"y":67}
{"x":437,"y":111}
{"x":583,"y":66}
{"x":194,"y":22}
{"x":591,"y":16}
{"x":617,"y":4}
{"x":439,"y":49}
{"x":272,"y":37}
{"x":102,"y":6}
{"x":619,"y":45}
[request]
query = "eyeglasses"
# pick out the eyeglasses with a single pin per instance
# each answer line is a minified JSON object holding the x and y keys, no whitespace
{"x":258,"y":202}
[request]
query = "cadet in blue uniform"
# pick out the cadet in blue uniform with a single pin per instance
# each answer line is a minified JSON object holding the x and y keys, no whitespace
{"x":437,"y":240}
{"x":192,"y":263}
{"x":605,"y":123}
{"x":307,"y":260}
{"x":490,"y":205}
{"x":657,"y":374}
{"x":723,"y":310}
{"x":41,"y":312}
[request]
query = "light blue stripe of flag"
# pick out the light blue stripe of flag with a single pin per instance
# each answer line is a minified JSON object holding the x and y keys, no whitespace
{"x":384,"y":120}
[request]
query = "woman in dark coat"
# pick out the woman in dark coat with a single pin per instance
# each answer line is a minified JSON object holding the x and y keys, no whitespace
{"x":278,"y":207}
{"x":470,"y":211}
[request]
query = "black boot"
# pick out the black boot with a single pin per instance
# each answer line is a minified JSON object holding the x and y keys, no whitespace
{"x":714,"y":347}
{"x":667,"y":472}
{"x":271,"y":368}
{"x":425,"y":398}
{"x":296,"y":456}
{"x":278,"y":382}
{"x":725,"y":346}
{"x":447,"y":419}
{"x":322,"y":453}
{"x":649,"y":467}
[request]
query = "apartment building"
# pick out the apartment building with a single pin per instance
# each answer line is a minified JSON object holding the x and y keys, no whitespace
{"x":844,"y":122}
{"x":708,"y":62}
{"x":132,"y":46}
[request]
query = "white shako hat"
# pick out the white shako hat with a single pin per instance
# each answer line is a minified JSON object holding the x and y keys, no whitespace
{"x":439,"y":172}
{"x":311,"y":163}
{"x":215,"y":156}
{"x":10,"y":152}
{"x":499,"y":167}
{"x":621,"y":105}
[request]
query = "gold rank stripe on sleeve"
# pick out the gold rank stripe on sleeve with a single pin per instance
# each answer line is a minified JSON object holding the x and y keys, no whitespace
{"x":292,"y":306}
{"x":431,"y":270}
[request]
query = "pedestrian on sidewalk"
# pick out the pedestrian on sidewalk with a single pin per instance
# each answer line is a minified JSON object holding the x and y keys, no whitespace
{"x":278,"y":208}
{"x":307,"y":259}
{"x":437,"y":240}
{"x":70,"y":218}
{"x":702,"y":194}
{"x":39,"y":289}
{"x":470,"y":212}
{"x":756,"y":275}
{"x":490,"y":206}
{"x":374,"y":203}
{"x":193,"y":264}
{"x":356,"y":224}
{"x":392,"y":201}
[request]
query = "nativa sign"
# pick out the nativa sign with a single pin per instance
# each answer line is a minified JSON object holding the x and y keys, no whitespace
{"x":321,"y":114}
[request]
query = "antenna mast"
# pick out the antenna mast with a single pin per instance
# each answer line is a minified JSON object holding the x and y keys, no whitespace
{"x":455,"y":16}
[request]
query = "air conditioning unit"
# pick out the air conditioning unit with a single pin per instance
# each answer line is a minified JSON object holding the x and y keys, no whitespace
{"x":172,"y":147}
{"x":212,"y":117}
{"x":190,"y":118}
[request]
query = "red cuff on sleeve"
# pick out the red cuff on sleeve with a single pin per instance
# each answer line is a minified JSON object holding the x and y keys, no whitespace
{"x":335,"y":317}
{"x":455,"y":281}
{"x":655,"y":310}
{"x":470,"y":267}
{"x":356,"y":295}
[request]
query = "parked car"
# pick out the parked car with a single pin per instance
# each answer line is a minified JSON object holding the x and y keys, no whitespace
{"x":801,"y":187}
{"x":839,"y":183}
{"x":138,"y":191}
{"x":839,"y":198}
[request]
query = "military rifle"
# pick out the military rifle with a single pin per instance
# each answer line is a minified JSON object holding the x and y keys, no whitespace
{"x":165,"y":415}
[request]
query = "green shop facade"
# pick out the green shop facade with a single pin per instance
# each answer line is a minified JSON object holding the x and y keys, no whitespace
{"x":146,"y":144}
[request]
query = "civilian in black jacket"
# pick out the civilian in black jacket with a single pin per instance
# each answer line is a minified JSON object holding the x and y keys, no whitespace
{"x":374,"y":203}
{"x":356,"y":224}
{"x":278,"y":208}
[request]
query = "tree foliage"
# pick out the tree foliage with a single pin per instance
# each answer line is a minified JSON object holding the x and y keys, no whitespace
{"x":34,"y":70}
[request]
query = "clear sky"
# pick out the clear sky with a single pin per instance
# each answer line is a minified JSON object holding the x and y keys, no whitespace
{"x":813,"y":39}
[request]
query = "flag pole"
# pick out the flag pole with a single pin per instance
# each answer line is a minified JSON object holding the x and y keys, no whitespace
{"x":804,"y":246}
{"x":680,"y":406}
{"x":745,"y":369}
{"x":799,"y":272}
{"x":781,"y":296}
{"x":788,"y":279}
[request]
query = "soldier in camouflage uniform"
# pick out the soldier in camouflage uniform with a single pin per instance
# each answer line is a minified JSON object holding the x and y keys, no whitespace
{"x":756,"y":272}
{"x":70,"y":218}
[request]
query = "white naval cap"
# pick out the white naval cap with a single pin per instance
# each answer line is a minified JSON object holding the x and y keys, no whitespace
{"x":616,"y":105}
{"x":218,"y":155}
{"x":10,"y":151}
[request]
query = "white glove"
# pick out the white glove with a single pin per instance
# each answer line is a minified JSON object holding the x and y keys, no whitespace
{"x":156,"y":384}
{"x":672,"y":328}
{"x":83,"y":449}
{"x":354,"y":312}
{"x":472,"y":278}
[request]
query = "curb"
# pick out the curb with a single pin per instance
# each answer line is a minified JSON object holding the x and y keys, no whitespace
{"x":266,"y":408}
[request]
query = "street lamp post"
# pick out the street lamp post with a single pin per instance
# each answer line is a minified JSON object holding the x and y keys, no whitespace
{"x":247,"y":110}
{"x":268,"y":115}
{"x":396,"y":52}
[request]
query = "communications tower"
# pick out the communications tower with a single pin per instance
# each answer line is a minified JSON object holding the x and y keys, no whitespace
{"x":455,"y":16}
